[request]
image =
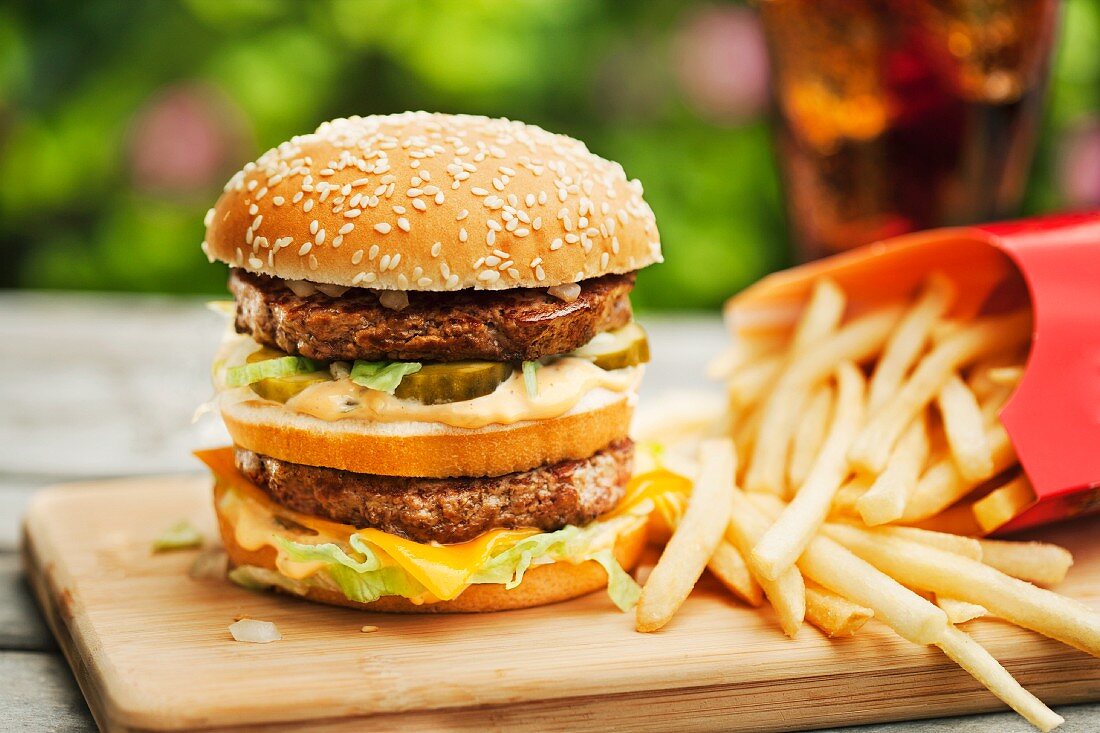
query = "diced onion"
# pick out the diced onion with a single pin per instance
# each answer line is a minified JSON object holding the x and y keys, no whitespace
{"x":333,"y":291}
{"x":256,"y":632}
{"x":568,"y":292}
{"x":301,"y":288}
{"x":394,"y":299}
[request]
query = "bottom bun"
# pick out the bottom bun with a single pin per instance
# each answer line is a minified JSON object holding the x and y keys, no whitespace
{"x":541,"y":585}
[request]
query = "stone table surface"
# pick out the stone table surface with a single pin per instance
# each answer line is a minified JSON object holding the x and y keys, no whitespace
{"x":97,"y":386}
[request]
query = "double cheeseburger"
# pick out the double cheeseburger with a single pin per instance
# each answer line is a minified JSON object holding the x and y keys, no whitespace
{"x":432,"y":366}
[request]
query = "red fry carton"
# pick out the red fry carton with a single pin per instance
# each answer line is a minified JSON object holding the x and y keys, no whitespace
{"x":1053,"y":263}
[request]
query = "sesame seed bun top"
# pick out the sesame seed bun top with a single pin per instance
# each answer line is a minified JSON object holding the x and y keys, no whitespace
{"x":421,"y":201}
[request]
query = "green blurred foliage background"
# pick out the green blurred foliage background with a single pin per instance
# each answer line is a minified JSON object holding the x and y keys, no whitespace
{"x":119,"y":121}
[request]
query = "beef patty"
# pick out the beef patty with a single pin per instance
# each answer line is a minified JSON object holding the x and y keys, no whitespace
{"x":449,"y":510}
{"x":494,"y":325}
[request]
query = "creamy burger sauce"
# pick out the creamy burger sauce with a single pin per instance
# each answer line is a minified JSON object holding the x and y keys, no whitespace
{"x":562,"y":384}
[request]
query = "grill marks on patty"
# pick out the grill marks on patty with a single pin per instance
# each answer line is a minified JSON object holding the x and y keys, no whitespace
{"x":493,"y":325}
{"x":449,"y":510}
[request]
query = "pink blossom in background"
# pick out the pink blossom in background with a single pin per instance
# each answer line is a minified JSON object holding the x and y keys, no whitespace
{"x":1079,"y":173}
{"x":185,"y":139}
{"x":722,"y":63}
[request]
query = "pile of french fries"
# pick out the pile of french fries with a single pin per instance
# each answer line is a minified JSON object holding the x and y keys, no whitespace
{"x":869,"y":447}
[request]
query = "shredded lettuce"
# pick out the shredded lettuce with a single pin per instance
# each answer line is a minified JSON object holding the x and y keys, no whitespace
{"x":360,"y":580}
{"x":383,"y":376}
{"x":180,"y":536}
{"x":368,"y":579}
{"x":530,"y":381}
{"x":283,"y":366}
{"x":623,"y":590}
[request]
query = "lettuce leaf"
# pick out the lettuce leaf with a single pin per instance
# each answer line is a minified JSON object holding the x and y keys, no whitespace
{"x":383,"y":376}
{"x":368,"y":579}
{"x":283,"y":366}
{"x":360,"y":580}
{"x":530,"y":381}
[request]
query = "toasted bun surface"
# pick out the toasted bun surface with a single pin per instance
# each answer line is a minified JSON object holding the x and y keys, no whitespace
{"x":421,"y":201}
{"x":541,"y":584}
{"x":424,"y":450}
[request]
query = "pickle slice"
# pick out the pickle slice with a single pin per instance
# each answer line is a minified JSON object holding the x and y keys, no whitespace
{"x":454,"y":381}
{"x":281,"y":389}
{"x":624,"y":347}
{"x":265,"y":353}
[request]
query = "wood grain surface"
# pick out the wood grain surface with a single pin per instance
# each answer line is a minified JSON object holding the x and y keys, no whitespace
{"x":151,"y":650}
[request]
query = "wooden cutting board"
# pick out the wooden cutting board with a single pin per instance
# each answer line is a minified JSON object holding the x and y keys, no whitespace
{"x":151,"y":651}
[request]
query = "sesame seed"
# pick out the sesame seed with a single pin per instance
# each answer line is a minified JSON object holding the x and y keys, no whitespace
{"x":514,"y":273}
{"x":536,"y":262}
{"x":556,"y":244}
{"x":419,"y":205}
{"x":352,"y":213}
{"x":304,"y":249}
{"x":399,"y":209}
{"x":479,"y":262}
{"x":522,"y":232}
{"x":395,"y":260}
{"x":403,"y":224}
{"x":478,"y":191}
{"x":357,"y":257}
{"x":437,"y":248}
{"x":493,"y":224}
{"x":452,"y":281}
{"x":313,"y":225}
{"x":490,"y":276}
{"x":346,"y":229}
{"x":210,"y":217}
{"x":371,"y":277}
{"x":492,"y":261}
{"x":278,"y":200}
{"x":414,"y":192}
{"x":462,"y":215}
{"x":307,"y":206}
{"x":529,"y":199}
{"x":537,"y":223}
{"x":382,"y":227}
{"x":337,"y":241}
{"x":603,"y":260}
{"x":384,"y":263}
{"x":373,"y":252}
{"x":540,"y":273}
{"x":462,"y":235}
{"x":255,"y":262}
{"x":256,"y":222}
{"x":424,"y":282}
{"x":359,"y":277}
{"x":491,"y":237}
{"x":320,"y":237}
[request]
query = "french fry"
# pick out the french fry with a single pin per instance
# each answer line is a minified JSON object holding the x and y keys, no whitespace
{"x":809,"y":435}
{"x":821,"y":316}
{"x":745,"y":349}
{"x":964,"y":426}
{"x":1003,"y":504}
{"x":692,"y":544}
{"x":746,"y":385}
{"x":957,"y":519}
{"x":972,"y":656}
{"x":781,"y":545}
{"x":959,"y":612}
{"x":834,"y":614}
{"x":872,"y":447}
{"x":952,"y":575}
{"x":745,"y":428}
{"x":953,"y":543}
{"x":729,"y":566}
{"x":941,"y":485}
{"x":905,"y":344}
{"x":850,"y":492}
{"x":885,"y":501}
{"x":1006,"y":376}
{"x":855,"y":341}
{"x":787,"y":594}
{"x":1036,"y":562}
